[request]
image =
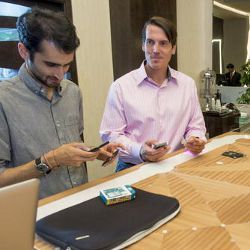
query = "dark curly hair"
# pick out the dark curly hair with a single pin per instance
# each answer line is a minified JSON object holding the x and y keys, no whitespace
{"x":37,"y":25}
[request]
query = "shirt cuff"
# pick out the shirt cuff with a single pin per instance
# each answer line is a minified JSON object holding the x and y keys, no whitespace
{"x":132,"y":155}
{"x":135,"y":152}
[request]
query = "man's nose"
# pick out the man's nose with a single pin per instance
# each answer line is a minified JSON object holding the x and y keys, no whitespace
{"x":156,"y":48}
{"x":60,"y":71}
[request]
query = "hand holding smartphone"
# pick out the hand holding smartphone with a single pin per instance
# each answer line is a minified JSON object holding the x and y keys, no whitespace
{"x":98,"y":147}
{"x":159,"y":145}
{"x":110,"y":159}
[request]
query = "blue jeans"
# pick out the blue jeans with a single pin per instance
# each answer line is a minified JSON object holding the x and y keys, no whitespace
{"x":123,"y":165}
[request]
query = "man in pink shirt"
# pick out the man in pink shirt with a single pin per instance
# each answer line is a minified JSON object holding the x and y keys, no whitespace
{"x":154,"y":103}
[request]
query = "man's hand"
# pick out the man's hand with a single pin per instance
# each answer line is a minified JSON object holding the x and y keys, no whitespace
{"x":195,"y":144}
{"x":106,"y":152}
{"x":73,"y":154}
{"x":149,"y":154}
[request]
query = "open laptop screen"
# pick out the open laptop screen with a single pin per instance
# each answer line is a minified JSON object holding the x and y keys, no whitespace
{"x":18,"y":207}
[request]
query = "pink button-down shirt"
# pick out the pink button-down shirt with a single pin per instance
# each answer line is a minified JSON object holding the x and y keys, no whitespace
{"x":137,"y":110}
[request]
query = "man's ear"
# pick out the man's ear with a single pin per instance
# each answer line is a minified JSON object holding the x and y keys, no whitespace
{"x":142,"y":47}
{"x":24,"y":53}
{"x":174,"y":50}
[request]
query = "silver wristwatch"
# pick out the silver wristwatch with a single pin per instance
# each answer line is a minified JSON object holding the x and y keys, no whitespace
{"x":42,"y":167}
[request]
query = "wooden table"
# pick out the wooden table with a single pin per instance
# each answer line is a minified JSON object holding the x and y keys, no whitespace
{"x":214,"y":193}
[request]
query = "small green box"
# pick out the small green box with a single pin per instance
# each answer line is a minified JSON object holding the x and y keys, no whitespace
{"x":116,"y":195}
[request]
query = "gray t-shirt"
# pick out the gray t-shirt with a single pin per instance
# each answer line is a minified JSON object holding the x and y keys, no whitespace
{"x":31,"y":125}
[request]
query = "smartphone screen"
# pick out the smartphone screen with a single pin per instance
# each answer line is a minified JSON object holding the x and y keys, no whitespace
{"x":98,"y":147}
{"x":160,"y":145}
{"x":108,"y":160}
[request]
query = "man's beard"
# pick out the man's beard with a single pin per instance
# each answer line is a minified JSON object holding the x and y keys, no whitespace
{"x":45,"y":82}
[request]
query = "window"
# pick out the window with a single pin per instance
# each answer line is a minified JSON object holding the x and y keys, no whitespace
{"x":10,"y":10}
{"x":8,"y":35}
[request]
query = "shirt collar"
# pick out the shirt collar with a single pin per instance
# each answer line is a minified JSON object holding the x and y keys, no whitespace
{"x":33,"y":84}
{"x":141,"y":74}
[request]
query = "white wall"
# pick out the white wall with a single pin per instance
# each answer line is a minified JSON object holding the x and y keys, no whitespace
{"x":95,"y":70}
{"x":194,"y":41}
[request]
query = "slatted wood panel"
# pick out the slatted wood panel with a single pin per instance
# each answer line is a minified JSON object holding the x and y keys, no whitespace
{"x":127,"y":18}
{"x":215,"y":200}
{"x":215,"y":203}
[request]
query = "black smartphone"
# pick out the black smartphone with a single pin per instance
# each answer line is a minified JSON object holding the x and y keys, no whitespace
{"x":233,"y":154}
{"x":105,"y":163}
{"x":160,"y":145}
{"x":98,"y":147}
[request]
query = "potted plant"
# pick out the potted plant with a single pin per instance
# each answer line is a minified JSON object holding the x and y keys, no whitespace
{"x":245,"y":81}
{"x":244,"y":98}
{"x":243,"y":102}
{"x":245,"y":78}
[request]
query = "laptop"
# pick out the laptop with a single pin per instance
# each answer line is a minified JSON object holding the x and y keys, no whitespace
{"x":18,"y":207}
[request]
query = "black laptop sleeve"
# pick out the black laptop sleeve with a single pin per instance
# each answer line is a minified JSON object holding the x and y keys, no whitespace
{"x":92,"y":225}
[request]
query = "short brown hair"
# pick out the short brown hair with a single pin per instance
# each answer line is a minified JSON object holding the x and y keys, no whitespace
{"x":167,"y":26}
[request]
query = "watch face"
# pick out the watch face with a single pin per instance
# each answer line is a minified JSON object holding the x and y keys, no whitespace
{"x":42,"y":167}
